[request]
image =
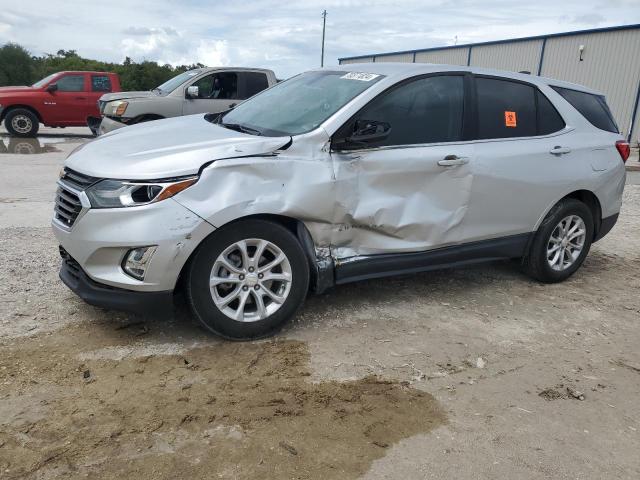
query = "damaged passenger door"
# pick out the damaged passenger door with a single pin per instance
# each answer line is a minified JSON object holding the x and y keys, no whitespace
{"x":403,"y":169}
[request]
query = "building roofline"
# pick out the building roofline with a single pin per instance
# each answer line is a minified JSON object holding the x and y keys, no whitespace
{"x":496,"y":42}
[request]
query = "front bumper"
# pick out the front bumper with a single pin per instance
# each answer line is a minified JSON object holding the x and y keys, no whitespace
{"x":109,"y":125}
{"x":100,"y":239}
{"x":105,"y":296}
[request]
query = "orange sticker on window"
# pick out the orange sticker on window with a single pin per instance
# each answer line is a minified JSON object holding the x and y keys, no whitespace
{"x":510,"y":119}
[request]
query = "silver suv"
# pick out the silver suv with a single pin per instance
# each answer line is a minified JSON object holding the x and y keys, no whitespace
{"x":334,"y":176}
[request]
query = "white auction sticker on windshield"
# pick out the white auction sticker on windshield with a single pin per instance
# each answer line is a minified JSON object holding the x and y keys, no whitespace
{"x":363,"y":77}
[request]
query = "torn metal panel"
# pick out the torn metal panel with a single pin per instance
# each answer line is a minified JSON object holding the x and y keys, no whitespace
{"x":359,"y":203}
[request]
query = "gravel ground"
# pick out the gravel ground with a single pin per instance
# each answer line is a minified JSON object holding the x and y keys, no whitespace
{"x":469,"y":373}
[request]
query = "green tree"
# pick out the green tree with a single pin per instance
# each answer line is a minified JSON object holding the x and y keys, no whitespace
{"x":16,"y":65}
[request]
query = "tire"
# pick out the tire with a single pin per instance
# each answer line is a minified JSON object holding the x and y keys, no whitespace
{"x":220,"y":253}
{"x":545,"y":248}
{"x":21,"y":122}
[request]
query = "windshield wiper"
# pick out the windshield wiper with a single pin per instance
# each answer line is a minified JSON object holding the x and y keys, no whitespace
{"x":241,"y":128}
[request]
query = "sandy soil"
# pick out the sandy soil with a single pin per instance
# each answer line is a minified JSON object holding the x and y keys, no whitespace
{"x":470,"y":373}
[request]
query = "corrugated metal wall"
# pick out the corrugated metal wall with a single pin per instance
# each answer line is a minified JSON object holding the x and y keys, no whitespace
{"x":398,"y":57}
{"x":611,"y":64}
{"x":446,"y":56}
{"x":515,"y":56}
{"x":449,"y":56}
{"x":348,"y":61}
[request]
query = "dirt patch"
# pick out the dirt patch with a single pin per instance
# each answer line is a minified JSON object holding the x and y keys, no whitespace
{"x":551,"y":394}
{"x":224,"y":410}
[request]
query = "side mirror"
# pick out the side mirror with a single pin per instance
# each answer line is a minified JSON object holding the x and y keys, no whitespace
{"x":193,"y":91}
{"x":52,"y":87}
{"x":369,"y":131}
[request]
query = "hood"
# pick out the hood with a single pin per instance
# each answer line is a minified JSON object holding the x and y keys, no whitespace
{"x":108,"y":97}
{"x":15,"y":89}
{"x":166,"y":148}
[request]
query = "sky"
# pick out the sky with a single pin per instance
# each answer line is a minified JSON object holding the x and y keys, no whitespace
{"x":286,"y":36}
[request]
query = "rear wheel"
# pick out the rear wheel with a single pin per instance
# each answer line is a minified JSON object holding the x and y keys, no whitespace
{"x":247,"y":279}
{"x":561,"y":243}
{"x":21,"y":122}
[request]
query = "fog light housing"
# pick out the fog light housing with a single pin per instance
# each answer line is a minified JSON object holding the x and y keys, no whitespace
{"x":137,"y":260}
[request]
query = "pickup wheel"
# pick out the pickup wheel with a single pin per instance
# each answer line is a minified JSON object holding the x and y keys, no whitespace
{"x":247,"y":279}
{"x":21,"y":122}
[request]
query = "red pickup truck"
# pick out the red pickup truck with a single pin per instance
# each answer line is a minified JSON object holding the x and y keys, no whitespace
{"x":63,"y":99}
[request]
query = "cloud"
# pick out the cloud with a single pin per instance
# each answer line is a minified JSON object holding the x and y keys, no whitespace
{"x":592,"y":19}
{"x":149,"y":31}
{"x":285,"y":36}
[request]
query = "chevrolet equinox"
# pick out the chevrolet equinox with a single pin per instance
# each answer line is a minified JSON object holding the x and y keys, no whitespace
{"x":338,"y":175}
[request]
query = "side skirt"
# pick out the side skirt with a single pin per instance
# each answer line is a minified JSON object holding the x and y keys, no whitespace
{"x":385,"y":265}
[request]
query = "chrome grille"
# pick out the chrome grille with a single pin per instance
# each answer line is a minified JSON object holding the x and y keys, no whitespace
{"x":67,"y":203}
{"x":67,"y":207}
{"x":77,"y":179}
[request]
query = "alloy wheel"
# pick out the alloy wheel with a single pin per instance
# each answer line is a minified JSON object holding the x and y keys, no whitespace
{"x":250,"y":280}
{"x":566,"y":242}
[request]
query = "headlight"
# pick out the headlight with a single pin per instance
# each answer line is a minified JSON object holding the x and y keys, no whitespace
{"x":116,"y":108}
{"x":124,"y":193}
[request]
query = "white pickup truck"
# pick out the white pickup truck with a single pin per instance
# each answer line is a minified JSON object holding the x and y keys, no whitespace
{"x":204,"y":90}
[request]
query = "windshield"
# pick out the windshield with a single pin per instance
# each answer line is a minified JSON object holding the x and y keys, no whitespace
{"x":173,"y":83}
{"x":44,"y":81}
{"x":300,"y":104}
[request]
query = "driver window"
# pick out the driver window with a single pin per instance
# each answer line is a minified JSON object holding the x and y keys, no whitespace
{"x":428,"y":110}
{"x":218,"y":86}
{"x":71,"y":83}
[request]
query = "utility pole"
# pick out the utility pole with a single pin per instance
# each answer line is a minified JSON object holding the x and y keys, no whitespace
{"x":324,"y":25}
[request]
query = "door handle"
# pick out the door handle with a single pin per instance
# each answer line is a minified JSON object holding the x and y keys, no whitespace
{"x":81,"y":98}
{"x":452,"y":161}
{"x":558,"y":150}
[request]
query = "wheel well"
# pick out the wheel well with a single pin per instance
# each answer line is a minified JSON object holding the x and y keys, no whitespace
{"x":321,"y":272}
{"x":591,"y":201}
{"x":25,"y":107}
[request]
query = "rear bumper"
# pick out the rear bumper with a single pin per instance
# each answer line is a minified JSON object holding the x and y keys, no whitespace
{"x":105,"y":296}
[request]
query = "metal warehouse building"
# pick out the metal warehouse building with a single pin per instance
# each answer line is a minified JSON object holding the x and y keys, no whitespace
{"x":605,"y":59}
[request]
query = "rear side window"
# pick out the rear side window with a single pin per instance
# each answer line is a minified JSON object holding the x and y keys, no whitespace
{"x":71,"y":83}
{"x":505,"y":109}
{"x":549,"y":120}
{"x":100,"y":83}
{"x":592,"y":107}
{"x":427,"y":110}
{"x":254,"y":82}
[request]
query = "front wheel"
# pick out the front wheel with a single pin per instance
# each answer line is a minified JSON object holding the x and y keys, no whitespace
{"x":21,"y":122}
{"x":247,"y":279}
{"x":561,"y":243}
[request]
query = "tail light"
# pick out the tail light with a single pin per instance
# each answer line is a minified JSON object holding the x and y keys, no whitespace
{"x":624,"y":149}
